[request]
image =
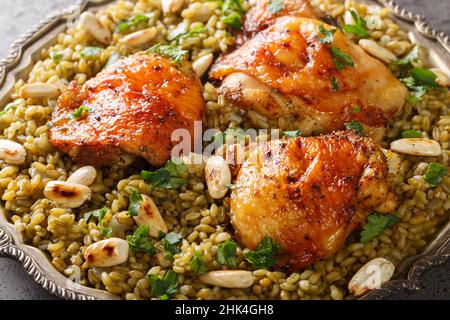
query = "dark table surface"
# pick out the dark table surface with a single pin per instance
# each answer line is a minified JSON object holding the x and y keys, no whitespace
{"x":17,"y":16}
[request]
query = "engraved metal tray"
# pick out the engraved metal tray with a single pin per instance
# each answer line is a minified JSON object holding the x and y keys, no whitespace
{"x":25,"y":52}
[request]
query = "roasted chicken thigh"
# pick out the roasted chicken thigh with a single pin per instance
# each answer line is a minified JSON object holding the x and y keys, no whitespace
{"x":309,"y":194}
{"x":290,"y":70}
{"x":130,"y":107}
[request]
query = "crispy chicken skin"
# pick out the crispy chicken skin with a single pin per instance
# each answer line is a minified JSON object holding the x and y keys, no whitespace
{"x":309,"y":194}
{"x":259,"y":17}
{"x":285,"y":71}
{"x":134,"y":107}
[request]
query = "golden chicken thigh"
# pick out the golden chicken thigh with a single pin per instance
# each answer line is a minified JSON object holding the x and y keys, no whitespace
{"x":288,"y":71}
{"x":309,"y":194}
{"x":132,"y":107}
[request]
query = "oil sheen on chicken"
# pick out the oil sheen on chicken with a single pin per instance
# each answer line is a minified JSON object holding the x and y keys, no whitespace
{"x":287,"y":71}
{"x":132,"y":108}
{"x":309,"y":194}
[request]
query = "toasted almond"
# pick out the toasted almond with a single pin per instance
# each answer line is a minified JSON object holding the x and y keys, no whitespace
{"x":84,"y":175}
{"x":171,"y":5}
{"x":95,"y":28}
{"x":149,"y":215}
{"x":218,"y":176}
{"x":139,"y":38}
{"x":417,"y":147}
{"x":12,"y":152}
{"x":202,"y":64}
{"x":377,"y":51}
{"x":66,"y":194}
{"x":231,"y":279}
{"x":442,"y":77}
{"x":39,"y":90}
{"x":107,"y":253}
{"x":371,"y":276}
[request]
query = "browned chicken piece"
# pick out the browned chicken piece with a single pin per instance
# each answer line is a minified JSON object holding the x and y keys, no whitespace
{"x":134,"y":106}
{"x":288,"y":71}
{"x":262,"y":14}
{"x":309,"y":194}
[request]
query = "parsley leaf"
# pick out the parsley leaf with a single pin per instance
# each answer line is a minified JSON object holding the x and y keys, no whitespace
{"x":226,"y":254}
{"x":411,"y":134}
{"x":359,"y":26}
{"x":233,"y":20}
{"x":197,"y":264}
{"x":435,"y":173}
{"x":376,"y":224}
{"x":355,"y":126}
{"x":335,"y":85}
{"x":265,"y":255}
{"x":164,"y":287}
{"x":175,"y":53}
{"x":418,"y":82}
{"x":134,"y":22}
{"x":340,"y":58}
{"x":292,"y":134}
{"x":81,"y":111}
{"x":91,"y":52}
{"x":275,"y":6}
{"x":194,"y":32}
{"x":56,"y":56}
{"x":106,"y":232}
{"x":170,"y":242}
{"x":140,"y":240}
{"x":327,"y":34}
{"x":99,"y":214}
{"x":355,"y":109}
{"x":232,"y":12}
{"x":411,"y":57}
{"x":135,"y":203}
{"x":167,"y":177}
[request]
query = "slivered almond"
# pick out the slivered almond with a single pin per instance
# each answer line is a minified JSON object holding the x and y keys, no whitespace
{"x":139,"y":38}
{"x":95,"y":28}
{"x":231,"y":279}
{"x":107,"y":253}
{"x":39,"y":90}
{"x":417,"y":147}
{"x":149,"y":215}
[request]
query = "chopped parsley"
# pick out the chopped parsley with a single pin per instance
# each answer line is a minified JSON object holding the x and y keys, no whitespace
{"x":341,"y":59}
{"x":170,"y":242}
{"x":197,"y":263}
{"x":134,"y":22}
{"x":167,"y":177}
{"x":275,"y":6}
{"x":335,"y":85}
{"x":135,"y":203}
{"x":407,"y":61}
{"x":164,"y":287}
{"x":411,"y":134}
{"x":355,"y":126}
{"x":435,"y":173}
{"x":229,"y":134}
{"x":194,"y":32}
{"x":265,"y":255}
{"x":56,"y":56}
{"x":174,"y":53}
{"x":292,"y":134}
{"x":100,"y":215}
{"x":226,"y":254}
{"x":327,"y":35}
{"x":106,"y":232}
{"x":355,"y":109}
{"x":232,"y":12}
{"x":140,"y":241}
{"x":419,"y":81}
{"x":91,"y":52}
{"x":359,"y":26}
{"x":82,"y":111}
{"x":376,"y":224}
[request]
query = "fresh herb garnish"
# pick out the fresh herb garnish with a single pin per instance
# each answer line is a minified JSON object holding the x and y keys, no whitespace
{"x":140,"y":240}
{"x":99,"y":214}
{"x":197,"y":264}
{"x":435,"y":173}
{"x":411,"y":134}
{"x":226,"y":254}
{"x":335,"y":85}
{"x":174,"y":53}
{"x":419,"y":81}
{"x":134,"y":22}
{"x":359,"y":26}
{"x":167,"y":177}
{"x":376,"y":224}
{"x":355,"y":126}
{"x":81,"y":111}
{"x":135,"y":203}
{"x":340,"y":58}
{"x":327,"y":35}
{"x":275,"y":6}
{"x":355,"y":109}
{"x":91,"y":52}
{"x":194,"y":32}
{"x":292,"y":134}
{"x":170,"y":242}
{"x":232,"y":12}
{"x":56,"y":56}
{"x":265,"y":255}
{"x":164,"y":287}
{"x":106,"y":232}
{"x":407,"y":61}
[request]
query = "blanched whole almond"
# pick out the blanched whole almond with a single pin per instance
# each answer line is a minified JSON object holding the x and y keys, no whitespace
{"x":393,"y":161}
{"x":377,"y":51}
{"x":84,"y":175}
{"x":417,"y":147}
{"x":232,"y":279}
{"x":107,"y":253}
{"x":371,"y":276}
{"x":171,"y":5}
{"x":202,"y":64}
{"x":139,"y":37}
{"x":218,"y":176}
{"x":95,"y":28}
{"x":149,"y":215}
{"x":67,"y":194}
{"x":12,"y":152}
{"x":39,"y":90}
{"x":442,"y":77}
